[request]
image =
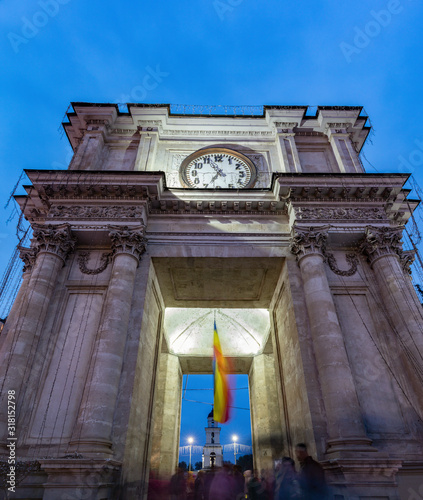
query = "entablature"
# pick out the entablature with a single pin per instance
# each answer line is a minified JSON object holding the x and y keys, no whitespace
{"x":338,"y":199}
{"x":170,"y":123}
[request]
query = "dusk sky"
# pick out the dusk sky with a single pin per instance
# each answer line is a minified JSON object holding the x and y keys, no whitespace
{"x":233,"y":52}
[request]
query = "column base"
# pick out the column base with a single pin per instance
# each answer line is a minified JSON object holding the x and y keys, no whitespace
{"x":92,"y":448}
{"x":363,"y":478}
{"x":68,"y":479}
{"x":349,"y":447}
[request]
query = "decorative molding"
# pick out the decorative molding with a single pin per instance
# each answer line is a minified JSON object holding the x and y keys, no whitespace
{"x":352,"y":193}
{"x":28,"y":256}
{"x":143,"y":123}
{"x":130,"y":240}
{"x":286,"y":128}
{"x":96,"y":212}
{"x":308,"y":241}
{"x":97,"y":122}
{"x":312,"y":240}
{"x":407,"y":258}
{"x":321,"y":213}
{"x":177,"y":159}
{"x":338,"y":125}
{"x":187,"y":234}
{"x":286,"y":124}
{"x":123,"y":131}
{"x":212,"y":211}
{"x":83,"y":259}
{"x":53,"y":239}
{"x":309,"y":133}
{"x":250,"y":133}
{"x":351,"y":259}
{"x":380,"y":241}
{"x":337,"y":128}
{"x":97,"y":191}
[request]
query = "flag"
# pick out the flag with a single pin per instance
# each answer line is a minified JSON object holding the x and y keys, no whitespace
{"x":221,"y":368}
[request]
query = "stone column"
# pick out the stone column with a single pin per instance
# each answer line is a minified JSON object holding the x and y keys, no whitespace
{"x":342,"y":147}
{"x":288,"y":147}
{"x":344,"y":420}
{"x":91,"y":146}
{"x":24,"y":331}
{"x":268,"y":442}
{"x":167,"y":417}
{"x":146,"y":150}
{"x":92,"y":434}
{"x":383,"y":249}
{"x":19,"y":303}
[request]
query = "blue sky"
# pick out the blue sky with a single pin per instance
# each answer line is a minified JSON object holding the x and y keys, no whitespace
{"x":206,"y":52}
{"x":194,"y":414}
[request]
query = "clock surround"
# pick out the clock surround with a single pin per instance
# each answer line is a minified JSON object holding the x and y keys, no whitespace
{"x":217,"y":168}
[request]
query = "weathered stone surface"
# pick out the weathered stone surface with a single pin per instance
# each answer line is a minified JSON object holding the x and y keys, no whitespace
{"x":337,"y":363}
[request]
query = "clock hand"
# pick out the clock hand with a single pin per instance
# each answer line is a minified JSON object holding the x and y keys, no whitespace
{"x":214,"y":178}
{"x":218,"y":170}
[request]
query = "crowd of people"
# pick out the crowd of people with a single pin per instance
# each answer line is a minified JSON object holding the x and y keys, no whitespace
{"x":230,"y":483}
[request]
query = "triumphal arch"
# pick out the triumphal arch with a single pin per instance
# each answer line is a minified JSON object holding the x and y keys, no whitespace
{"x":166,"y":218}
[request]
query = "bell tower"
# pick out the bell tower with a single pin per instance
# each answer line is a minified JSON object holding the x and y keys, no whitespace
{"x":212,"y":451}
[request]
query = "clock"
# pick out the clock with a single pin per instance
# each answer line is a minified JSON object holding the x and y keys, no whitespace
{"x":217,"y":168}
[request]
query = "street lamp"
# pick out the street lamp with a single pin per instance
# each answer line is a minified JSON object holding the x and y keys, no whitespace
{"x":235,"y":439}
{"x":190,"y":441}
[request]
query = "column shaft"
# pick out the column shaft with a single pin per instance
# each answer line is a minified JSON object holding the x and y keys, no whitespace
{"x":268,"y":441}
{"x":95,"y":420}
{"x":384,"y":250}
{"x":167,"y":417}
{"x":24,"y":332}
{"x":25,"y":338}
{"x":400,"y":305}
{"x":98,"y":405}
{"x":344,"y":419}
{"x":342,"y":407}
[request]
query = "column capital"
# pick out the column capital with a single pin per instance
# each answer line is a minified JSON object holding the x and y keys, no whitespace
{"x":286,"y":128}
{"x":407,"y":258}
{"x":337,"y":129}
{"x":381,"y":241}
{"x":55,"y":239}
{"x":308,"y":240}
{"x":28,"y":256}
{"x":129,"y":240}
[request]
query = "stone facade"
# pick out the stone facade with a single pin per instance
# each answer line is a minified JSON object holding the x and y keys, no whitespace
{"x":118,"y":242}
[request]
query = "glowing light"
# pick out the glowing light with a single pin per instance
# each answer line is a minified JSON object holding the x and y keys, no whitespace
{"x":190,"y":440}
{"x":234,"y":438}
{"x":242,"y":332}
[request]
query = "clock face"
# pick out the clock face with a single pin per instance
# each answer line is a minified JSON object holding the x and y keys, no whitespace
{"x":217,"y":168}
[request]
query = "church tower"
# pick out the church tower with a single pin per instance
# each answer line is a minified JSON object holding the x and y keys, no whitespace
{"x":212,"y":451}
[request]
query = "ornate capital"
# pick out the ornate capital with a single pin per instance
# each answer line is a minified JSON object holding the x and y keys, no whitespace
{"x":407,"y":258}
{"x":308,"y":240}
{"x":28,"y":256}
{"x":129,"y":240}
{"x":53,"y":239}
{"x":380,"y":241}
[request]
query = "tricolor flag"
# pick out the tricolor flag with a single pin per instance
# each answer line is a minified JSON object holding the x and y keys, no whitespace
{"x":221,"y":368}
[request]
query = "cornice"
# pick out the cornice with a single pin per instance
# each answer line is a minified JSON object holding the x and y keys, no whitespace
{"x":119,"y":195}
{"x":178,"y":121}
{"x":269,"y":134}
